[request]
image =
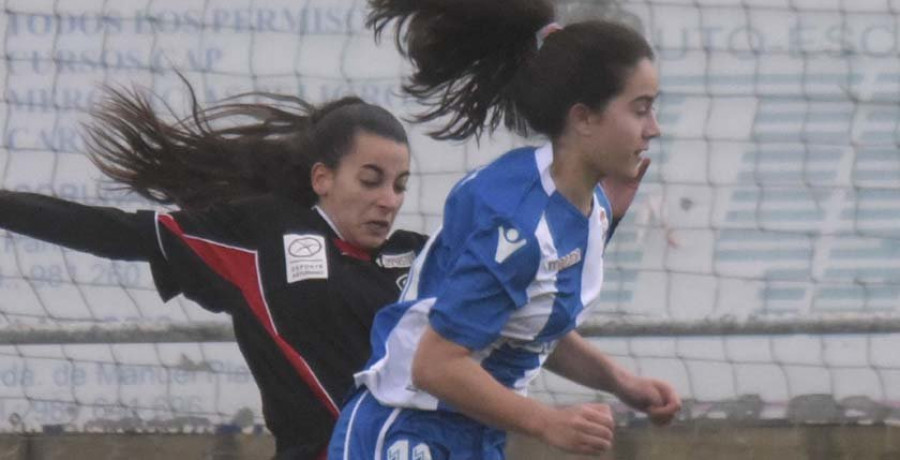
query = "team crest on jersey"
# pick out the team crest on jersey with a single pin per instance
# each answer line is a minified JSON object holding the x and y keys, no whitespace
{"x":305,"y":257}
{"x":508,"y":241}
{"x":404,"y":260}
{"x":565,"y":261}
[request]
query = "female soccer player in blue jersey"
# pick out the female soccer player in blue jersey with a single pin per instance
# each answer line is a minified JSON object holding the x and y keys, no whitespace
{"x":499,"y":290}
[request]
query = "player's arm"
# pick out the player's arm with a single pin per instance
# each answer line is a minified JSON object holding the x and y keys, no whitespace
{"x":487,"y":283}
{"x":576,"y":359}
{"x":105,"y":232}
{"x":447,"y":371}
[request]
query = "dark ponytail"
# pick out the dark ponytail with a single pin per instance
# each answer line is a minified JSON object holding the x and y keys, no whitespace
{"x":477,"y":62}
{"x":465,"y":53}
{"x":227,"y":151}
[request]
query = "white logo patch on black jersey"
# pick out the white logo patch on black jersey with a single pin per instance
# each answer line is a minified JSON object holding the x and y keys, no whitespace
{"x":305,"y":257}
{"x":508,"y":242}
{"x":404,"y":260}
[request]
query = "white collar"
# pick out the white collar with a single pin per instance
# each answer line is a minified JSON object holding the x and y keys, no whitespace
{"x":544,"y":157}
{"x":328,"y":220}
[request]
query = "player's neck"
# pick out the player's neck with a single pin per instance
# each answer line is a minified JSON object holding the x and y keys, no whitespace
{"x":573,"y":180}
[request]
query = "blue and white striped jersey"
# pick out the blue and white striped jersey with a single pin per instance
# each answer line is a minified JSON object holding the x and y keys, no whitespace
{"x":512,"y":270}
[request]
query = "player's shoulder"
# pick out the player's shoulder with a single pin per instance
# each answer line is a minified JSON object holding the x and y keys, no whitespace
{"x":515,"y":168}
{"x":258,"y":206}
{"x":404,"y":241}
{"x":280,"y":214}
{"x":509,"y":187}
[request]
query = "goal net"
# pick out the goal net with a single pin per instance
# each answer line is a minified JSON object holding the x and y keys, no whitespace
{"x":758,"y":270}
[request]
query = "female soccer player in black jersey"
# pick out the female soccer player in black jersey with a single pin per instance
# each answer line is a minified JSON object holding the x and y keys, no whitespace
{"x":284,"y":223}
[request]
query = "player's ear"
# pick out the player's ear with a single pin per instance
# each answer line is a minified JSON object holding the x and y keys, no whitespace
{"x":322,"y":179}
{"x":581,"y":119}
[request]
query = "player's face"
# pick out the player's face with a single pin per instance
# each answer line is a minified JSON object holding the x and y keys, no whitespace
{"x":627,"y":124}
{"x":364,"y":193}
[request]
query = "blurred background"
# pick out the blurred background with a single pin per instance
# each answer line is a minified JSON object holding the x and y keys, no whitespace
{"x":758,"y":270}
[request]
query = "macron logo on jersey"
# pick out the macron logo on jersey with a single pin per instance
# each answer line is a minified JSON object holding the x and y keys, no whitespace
{"x":508,"y":242}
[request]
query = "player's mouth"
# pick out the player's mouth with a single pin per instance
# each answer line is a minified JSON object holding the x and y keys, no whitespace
{"x":378,"y":226}
{"x":639,"y":154}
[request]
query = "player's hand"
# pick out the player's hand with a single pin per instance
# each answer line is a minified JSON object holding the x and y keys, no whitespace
{"x":621,"y":192}
{"x":654,"y":397}
{"x":582,"y":428}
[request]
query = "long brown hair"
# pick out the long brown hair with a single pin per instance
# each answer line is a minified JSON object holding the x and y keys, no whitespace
{"x":229,"y":150}
{"x":477,"y":62}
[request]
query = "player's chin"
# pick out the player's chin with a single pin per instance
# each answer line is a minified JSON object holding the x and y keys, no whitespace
{"x":373,"y":239}
{"x":635,"y":169}
{"x":630,"y":171}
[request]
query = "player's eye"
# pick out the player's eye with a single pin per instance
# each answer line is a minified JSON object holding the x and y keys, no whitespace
{"x":645,"y":109}
{"x":400,"y":185}
{"x":371,"y":179}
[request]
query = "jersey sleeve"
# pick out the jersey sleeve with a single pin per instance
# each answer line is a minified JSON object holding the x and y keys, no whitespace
{"x":210,"y":254}
{"x":487,"y":283}
{"x":104,"y":232}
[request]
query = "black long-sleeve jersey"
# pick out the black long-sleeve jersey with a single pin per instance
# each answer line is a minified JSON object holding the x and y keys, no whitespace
{"x":302,"y":300}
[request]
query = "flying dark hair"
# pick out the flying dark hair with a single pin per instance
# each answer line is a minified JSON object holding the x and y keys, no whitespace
{"x":477,"y":62}
{"x":230,"y":150}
